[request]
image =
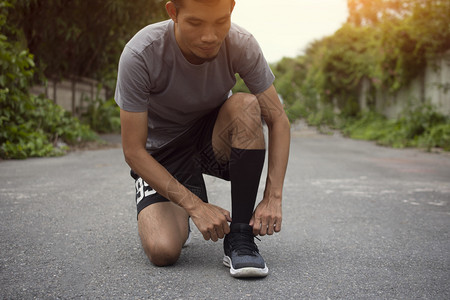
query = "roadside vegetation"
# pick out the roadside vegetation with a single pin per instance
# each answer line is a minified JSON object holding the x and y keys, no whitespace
{"x":387,"y":42}
{"x":42,"y":39}
{"x":422,"y":127}
{"x":30,"y":125}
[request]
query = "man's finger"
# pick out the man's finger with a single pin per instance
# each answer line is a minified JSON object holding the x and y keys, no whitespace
{"x":256,"y":226}
{"x":263,"y":230}
{"x":266,"y":225}
{"x":226,"y":228}
{"x":270,"y":227}
{"x":252,"y":220}
{"x":278,"y":226}
{"x":213,"y":235}
{"x":206,"y":235}
{"x":227,"y":215}
{"x":220,"y":232}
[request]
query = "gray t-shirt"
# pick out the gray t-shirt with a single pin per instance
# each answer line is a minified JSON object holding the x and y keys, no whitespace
{"x":154,"y":76}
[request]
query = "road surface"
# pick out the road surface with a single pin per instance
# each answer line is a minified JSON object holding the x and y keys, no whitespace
{"x":360,"y":222}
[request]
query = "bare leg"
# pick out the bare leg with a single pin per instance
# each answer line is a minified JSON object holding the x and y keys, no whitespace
{"x":163,"y":229}
{"x":238,"y":125}
{"x":238,"y":139}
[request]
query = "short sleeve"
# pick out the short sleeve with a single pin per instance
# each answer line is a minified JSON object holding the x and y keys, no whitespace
{"x":253,"y":67}
{"x":133,"y":82}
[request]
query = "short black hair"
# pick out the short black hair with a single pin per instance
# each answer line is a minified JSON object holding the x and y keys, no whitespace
{"x":179,"y":3}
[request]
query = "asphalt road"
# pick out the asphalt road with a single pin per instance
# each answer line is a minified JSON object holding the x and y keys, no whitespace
{"x":360,"y":222}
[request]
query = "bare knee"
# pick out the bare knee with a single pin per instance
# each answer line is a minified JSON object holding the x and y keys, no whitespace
{"x":162,"y":253}
{"x":246,"y":104}
{"x":163,"y":228}
{"x":246,"y":131}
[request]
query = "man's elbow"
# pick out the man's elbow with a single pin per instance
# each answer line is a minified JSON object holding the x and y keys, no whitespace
{"x":132,"y":156}
{"x":285,"y":122}
{"x":281,"y":122}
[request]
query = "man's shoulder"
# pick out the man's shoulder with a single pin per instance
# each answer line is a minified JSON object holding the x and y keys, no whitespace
{"x":238,"y":34}
{"x":153,"y":35}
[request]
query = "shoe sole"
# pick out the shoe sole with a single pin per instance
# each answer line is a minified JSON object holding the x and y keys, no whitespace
{"x":245,"y":272}
{"x":188,"y":240}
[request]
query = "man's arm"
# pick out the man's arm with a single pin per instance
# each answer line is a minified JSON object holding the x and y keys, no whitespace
{"x":267,"y":216}
{"x":211,"y":220}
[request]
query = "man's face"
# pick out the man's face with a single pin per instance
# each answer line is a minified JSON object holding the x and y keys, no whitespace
{"x":200,"y":28}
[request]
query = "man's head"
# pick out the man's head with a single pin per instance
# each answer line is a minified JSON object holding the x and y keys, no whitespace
{"x":200,"y":26}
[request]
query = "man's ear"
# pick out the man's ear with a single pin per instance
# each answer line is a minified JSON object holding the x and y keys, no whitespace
{"x":171,"y":10}
{"x":232,"y":6}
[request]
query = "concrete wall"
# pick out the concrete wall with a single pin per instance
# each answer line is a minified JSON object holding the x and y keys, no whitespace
{"x":70,"y":94}
{"x":431,"y":86}
{"x":437,"y":87}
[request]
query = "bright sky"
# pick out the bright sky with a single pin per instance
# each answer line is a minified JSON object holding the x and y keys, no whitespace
{"x":286,"y":27}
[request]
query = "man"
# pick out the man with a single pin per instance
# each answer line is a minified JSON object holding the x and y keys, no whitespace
{"x":179,"y":122}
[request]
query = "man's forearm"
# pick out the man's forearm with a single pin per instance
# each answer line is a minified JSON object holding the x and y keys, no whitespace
{"x":279,"y":143}
{"x":279,"y":139}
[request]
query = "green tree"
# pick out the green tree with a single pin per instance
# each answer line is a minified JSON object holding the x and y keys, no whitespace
{"x":408,"y":44}
{"x":289,"y":75}
{"x":373,"y":12}
{"x":387,"y":42}
{"x":78,"y":37}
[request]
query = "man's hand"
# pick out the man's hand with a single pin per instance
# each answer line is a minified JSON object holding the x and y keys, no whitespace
{"x":211,"y":220}
{"x":267,"y":217}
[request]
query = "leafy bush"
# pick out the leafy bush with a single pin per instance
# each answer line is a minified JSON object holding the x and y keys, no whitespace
{"x":289,"y":75}
{"x":102,"y":116}
{"x":437,"y":136}
{"x":419,"y":127}
{"x":296,"y":110}
{"x":370,"y":126}
{"x":29,"y":125}
{"x":34,"y":128}
{"x":325,"y":116}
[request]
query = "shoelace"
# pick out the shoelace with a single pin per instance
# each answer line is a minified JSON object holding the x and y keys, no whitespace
{"x":243,"y":243}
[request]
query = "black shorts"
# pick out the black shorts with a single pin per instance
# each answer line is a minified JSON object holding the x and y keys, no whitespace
{"x":186,"y":158}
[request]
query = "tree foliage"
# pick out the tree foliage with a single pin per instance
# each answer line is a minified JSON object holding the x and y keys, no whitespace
{"x":60,"y":39}
{"x":373,"y":12}
{"x":406,"y":45}
{"x":78,"y":37}
{"x":388,"y":42}
{"x":385,"y":42}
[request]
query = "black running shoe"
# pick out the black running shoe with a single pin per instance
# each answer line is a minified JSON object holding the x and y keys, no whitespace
{"x":241,"y":253}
